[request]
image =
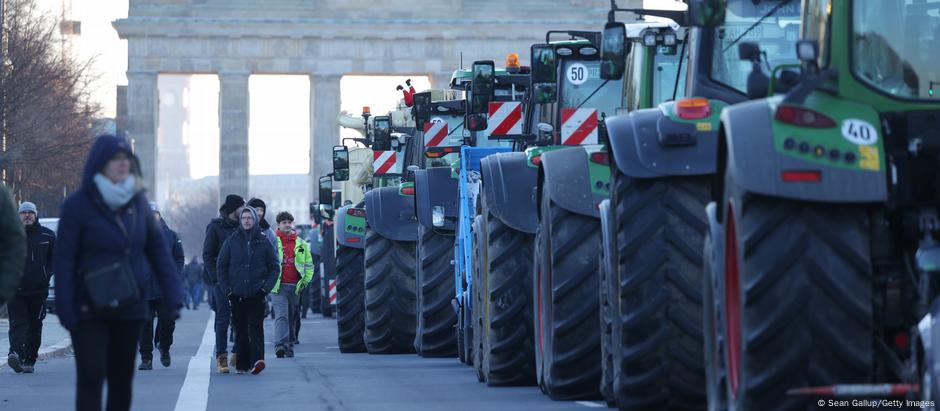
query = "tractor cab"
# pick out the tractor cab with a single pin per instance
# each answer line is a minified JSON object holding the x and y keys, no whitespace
{"x":570,"y":97}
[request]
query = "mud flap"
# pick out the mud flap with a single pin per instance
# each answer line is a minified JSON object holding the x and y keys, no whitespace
{"x":391,"y":214}
{"x":567,"y":181}
{"x":434,"y":187}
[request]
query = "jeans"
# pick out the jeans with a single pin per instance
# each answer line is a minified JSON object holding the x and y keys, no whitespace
{"x":26,"y":315}
{"x":164,"y":335}
{"x":285,"y":311}
{"x":195,"y":294}
{"x":223,"y":314}
{"x":248,"y":321}
{"x":104,"y":350}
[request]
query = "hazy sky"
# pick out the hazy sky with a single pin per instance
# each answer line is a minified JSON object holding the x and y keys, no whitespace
{"x":279,"y":131}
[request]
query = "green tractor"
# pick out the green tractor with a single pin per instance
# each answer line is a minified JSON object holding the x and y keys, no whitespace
{"x":353,"y":168}
{"x":663,"y":162}
{"x":822,"y":258}
{"x":374,"y":297}
{"x":569,"y":104}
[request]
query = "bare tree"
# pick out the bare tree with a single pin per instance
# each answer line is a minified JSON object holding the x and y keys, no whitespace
{"x":189,"y":216}
{"x":47,"y":114}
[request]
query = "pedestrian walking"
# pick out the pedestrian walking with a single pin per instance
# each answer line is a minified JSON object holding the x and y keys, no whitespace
{"x":247,"y":270}
{"x":163,"y":336}
{"x":219,"y":230}
{"x":296,"y":272}
{"x":27,"y":308}
{"x":108,"y":248}
{"x":12,"y":246}
{"x":193,"y":274}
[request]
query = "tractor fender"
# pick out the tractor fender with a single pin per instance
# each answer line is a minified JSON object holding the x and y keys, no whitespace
{"x":435,"y":187}
{"x":391,"y":214}
{"x":757,"y":167}
{"x":509,"y":189}
{"x":566,"y":180}
{"x":348,"y":234}
{"x":648,"y":143}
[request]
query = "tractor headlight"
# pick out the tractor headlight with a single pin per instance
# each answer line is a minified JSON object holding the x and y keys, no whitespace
{"x":437,"y":216}
{"x":669,"y":39}
{"x":649,"y":39}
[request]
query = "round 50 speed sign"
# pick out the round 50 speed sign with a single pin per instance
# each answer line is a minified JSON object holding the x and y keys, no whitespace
{"x":577,"y":74}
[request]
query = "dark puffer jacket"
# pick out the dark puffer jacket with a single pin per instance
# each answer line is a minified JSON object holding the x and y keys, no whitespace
{"x":218,"y":230}
{"x":91,"y":236}
{"x":38,"y":268}
{"x":248,"y":264}
{"x":12,"y":246}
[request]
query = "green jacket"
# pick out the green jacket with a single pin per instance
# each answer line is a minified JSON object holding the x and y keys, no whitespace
{"x":12,"y":246}
{"x":303,"y":261}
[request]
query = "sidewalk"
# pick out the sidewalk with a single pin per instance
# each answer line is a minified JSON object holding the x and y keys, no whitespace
{"x":55,"y":340}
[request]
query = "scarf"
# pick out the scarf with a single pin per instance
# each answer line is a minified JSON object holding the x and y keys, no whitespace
{"x":116,"y":195}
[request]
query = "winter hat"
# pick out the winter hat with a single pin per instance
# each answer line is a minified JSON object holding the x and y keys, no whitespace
{"x":257,"y":202}
{"x":26,"y":206}
{"x":232,"y":202}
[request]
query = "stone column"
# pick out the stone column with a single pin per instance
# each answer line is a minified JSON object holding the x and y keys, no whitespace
{"x":324,"y":128}
{"x":233,"y":133}
{"x":142,"y":122}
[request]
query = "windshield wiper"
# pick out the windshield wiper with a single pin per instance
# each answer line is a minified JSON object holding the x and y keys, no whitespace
{"x":757,"y":23}
{"x":593,"y":93}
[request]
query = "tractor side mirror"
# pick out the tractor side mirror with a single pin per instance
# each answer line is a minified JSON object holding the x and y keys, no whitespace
{"x":381,"y":133}
{"x":476,"y":122}
{"x":614,"y":49}
{"x":326,"y":197}
{"x":481,"y":88}
{"x":749,"y":51}
{"x":544,"y":74}
{"x":757,"y":82}
{"x":422,"y":109}
{"x":706,"y":13}
{"x":340,"y":163}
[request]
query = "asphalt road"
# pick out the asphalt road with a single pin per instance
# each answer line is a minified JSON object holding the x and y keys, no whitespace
{"x":318,"y":378}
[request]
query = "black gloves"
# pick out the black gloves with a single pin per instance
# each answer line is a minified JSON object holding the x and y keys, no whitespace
{"x":408,"y":82}
{"x":399,"y":88}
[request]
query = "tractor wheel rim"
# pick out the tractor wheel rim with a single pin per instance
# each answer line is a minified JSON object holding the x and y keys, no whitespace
{"x":732,"y":302}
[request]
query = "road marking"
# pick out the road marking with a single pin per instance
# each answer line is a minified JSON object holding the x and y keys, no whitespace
{"x":591,"y":404}
{"x":194,"y":395}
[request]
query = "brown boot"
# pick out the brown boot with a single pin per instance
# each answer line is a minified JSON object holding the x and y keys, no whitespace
{"x":222,"y":364}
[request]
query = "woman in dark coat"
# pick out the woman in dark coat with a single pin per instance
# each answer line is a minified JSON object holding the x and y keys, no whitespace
{"x":108,"y":220}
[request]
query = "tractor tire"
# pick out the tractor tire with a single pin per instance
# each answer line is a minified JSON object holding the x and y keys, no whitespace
{"x":510,"y":359}
{"x":389,"y":295}
{"x":350,"y":299}
{"x":797,"y":298}
{"x":661,"y":226}
{"x":607,"y":294}
{"x":436,"y":329}
{"x":476,"y":306}
{"x":566,"y":304}
{"x":314,"y":293}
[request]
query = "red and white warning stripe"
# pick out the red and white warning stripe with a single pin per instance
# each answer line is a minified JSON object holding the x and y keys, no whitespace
{"x":333,"y":292}
{"x":434,"y":134}
{"x":505,"y":118}
{"x":383,"y":162}
{"x":578,"y":126}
